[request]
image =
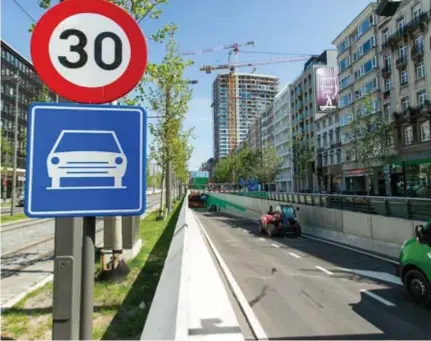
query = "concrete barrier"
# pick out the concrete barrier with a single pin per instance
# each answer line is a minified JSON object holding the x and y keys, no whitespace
{"x":375,"y":233}
{"x":191,"y":300}
{"x":165,"y":311}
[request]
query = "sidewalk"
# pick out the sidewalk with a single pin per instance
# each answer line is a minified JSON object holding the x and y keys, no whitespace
{"x":211,"y":315}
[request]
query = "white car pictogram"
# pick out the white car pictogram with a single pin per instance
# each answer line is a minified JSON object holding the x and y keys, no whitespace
{"x":86,"y":154}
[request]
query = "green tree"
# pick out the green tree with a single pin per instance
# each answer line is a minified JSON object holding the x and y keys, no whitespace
{"x":167,"y":93}
{"x":372,"y":137}
{"x":139,"y":9}
{"x":269,"y":164}
{"x":302,"y":155}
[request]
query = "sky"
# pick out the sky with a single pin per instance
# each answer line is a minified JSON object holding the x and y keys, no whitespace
{"x":277,"y":26}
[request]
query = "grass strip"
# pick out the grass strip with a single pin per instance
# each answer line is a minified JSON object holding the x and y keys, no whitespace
{"x":120,"y":309}
{"x":7,"y":218}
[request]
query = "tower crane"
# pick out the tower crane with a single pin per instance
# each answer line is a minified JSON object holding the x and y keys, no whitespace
{"x":233,"y":89}
{"x":234,"y":46}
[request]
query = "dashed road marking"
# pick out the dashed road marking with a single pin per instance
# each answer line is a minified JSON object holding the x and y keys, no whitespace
{"x":324,"y":270}
{"x":263,"y":239}
{"x":275,"y":245}
{"x":294,"y":255}
{"x":378,"y":298}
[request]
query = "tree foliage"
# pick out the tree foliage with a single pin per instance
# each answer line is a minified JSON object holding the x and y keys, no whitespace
{"x":6,"y":152}
{"x":371,"y":137}
{"x":302,"y":155}
{"x":248,"y":164}
{"x":139,"y":9}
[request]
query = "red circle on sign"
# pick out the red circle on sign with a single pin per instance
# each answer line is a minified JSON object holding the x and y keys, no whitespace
{"x":74,"y":92}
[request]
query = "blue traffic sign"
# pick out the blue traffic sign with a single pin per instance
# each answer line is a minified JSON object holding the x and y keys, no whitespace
{"x":85,"y":160}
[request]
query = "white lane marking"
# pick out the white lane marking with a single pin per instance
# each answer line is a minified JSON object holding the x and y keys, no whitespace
{"x":294,"y":255}
{"x":275,"y":245}
{"x":324,"y":270}
{"x":254,"y":323}
{"x":263,"y":239}
{"x":378,"y":298}
{"x":349,"y":248}
{"x":382,"y":276}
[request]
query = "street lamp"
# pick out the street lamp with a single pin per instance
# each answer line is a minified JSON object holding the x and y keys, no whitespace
{"x":15,"y":145}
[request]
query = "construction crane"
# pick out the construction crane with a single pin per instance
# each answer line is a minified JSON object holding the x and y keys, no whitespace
{"x":233,"y":88}
{"x":235,"y":47}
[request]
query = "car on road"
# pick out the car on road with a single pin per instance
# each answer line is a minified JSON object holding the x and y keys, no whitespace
{"x":415,"y":265}
{"x":86,"y":154}
{"x":280,"y":221}
{"x":20,"y":201}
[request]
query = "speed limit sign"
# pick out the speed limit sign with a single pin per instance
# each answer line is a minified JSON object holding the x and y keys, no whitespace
{"x":89,"y":51}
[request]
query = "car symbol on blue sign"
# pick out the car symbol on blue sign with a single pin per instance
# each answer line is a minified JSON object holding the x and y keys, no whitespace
{"x":85,"y":160}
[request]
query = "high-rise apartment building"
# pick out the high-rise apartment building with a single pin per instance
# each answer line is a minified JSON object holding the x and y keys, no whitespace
{"x":404,"y":42}
{"x":237,"y":99}
{"x":306,"y":106}
{"x":14,"y":67}
{"x":358,"y":76}
{"x":254,"y":138}
{"x":282,"y":131}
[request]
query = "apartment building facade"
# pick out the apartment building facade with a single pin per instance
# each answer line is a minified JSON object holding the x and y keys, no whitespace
{"x":16,"y":67}
{"x":282,"y":132}
{"x":304,"y":112}
{"x":359,"y":78}
{"x":254,"y":138}
{"x":249,"y":94}
{"x":404,"y":42}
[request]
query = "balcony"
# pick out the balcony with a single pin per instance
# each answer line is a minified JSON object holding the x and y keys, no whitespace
{"x":386,"y":72}
{"x":395,"y":38}
{"x":420,"y":22}
{"x":401,"y":63}
{"x":418,"y":52}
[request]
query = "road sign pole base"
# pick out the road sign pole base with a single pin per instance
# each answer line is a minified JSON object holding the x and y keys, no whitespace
{"x":116,"y":274}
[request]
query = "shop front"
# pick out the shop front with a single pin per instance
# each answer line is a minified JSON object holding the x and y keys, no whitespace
{"x":355,"y":180}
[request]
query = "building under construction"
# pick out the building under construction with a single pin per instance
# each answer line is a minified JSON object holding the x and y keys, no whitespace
{"x":237,"y":99}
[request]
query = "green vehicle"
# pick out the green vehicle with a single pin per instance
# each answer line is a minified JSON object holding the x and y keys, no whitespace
{"x":415,"y":265}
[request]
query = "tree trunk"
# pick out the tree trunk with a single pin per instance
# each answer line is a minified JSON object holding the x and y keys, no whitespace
{"x":161,"y":192}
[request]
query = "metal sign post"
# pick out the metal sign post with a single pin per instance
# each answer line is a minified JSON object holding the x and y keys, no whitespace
{"x":76,"y":148}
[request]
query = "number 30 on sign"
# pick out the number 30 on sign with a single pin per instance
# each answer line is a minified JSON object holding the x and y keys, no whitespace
{"x":89,"y":51}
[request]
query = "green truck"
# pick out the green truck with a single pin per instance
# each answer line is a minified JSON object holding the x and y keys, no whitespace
{"x":199,"y":180}
{"x":415,"y":265}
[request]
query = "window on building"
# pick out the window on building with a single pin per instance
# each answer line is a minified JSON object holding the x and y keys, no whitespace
{"x":385,"y":35}
{"x":405,"y":103}
{"x":416,"y":11}
{"x":401,"y":23}
{"x":408,"y":135}
{"x":404,"y":77}
{"x":387,"y":109}
{"x":425,"y":131}
{"x":420,"y":70}
{"x":419,"y":43}
{"x":387,"y":60}
{"x":402,"y":52}
{"x":388,"y":84}
{"x":344,"y":64}
{"x":422,"y":96}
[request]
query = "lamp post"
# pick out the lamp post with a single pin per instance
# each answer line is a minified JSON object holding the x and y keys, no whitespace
{"x":15,"y":142}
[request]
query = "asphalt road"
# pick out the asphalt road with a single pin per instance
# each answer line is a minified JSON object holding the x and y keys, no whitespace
{"x":305,"y":289}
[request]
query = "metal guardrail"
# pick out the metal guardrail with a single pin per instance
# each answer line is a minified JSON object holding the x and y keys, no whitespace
{"x":406,"y":208}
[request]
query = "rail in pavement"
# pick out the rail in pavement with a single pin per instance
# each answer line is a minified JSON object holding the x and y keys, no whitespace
{"x":191,"y":300}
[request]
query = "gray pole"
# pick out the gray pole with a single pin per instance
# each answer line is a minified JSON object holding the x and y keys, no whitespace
{"x":67,"y":279}
{"x":87,"y":284}
{"x":15,"y":149}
